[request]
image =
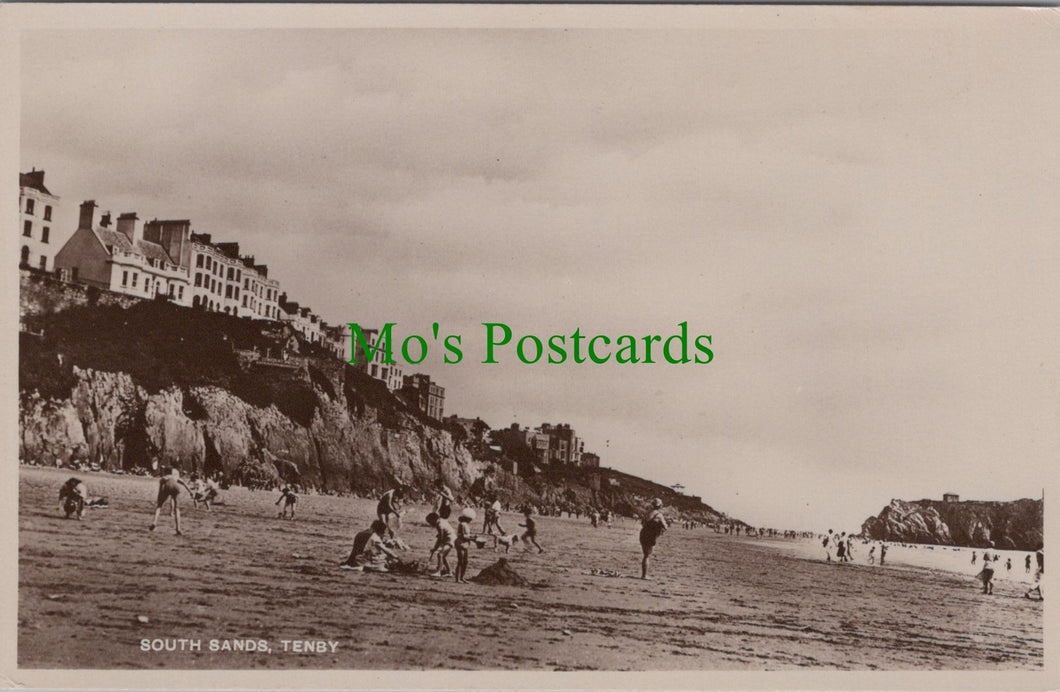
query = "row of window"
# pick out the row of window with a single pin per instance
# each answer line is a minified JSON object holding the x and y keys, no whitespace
{"x":215,"y":267}
{"x":31,"y":205}
{"x":25,"y":258}
{"x":27,"y":230}
{"x":175,"y":291}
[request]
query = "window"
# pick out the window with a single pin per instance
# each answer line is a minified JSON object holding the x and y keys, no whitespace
{"x":147,"y":285}
{"x":246,"y":284}
{"x":236,"y":293}
{"x":209,"y":263}
{"x":180,"y":293}
{"x":198,"y":261}
{"x":27,"y":229}
{"x":25,"y":255}
{"x":135,"y":277}
{"x":47,"y":212}
{"x":244,"y":301}
{"x":44,"y":234}
{"x":171,"y":290}
{"x":124,"y":278}
{"x":198,"y":279}
{"x":29,"y":206}
{"x":44,"y":263}
{"x":228,"y":291}
{"x":239,"y":274}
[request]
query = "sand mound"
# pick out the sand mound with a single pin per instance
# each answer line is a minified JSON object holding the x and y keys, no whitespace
{"x":500,"y":574}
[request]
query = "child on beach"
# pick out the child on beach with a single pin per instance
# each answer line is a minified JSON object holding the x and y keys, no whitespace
{"x":464,"y":539}
{"x":370,"y":553}
{"x":531,"y":530}
{"x":872,"y":555}
{"x":168,"y":491}
{"x":493,"y":518}
{"x":442,"y":545}
{"x":72,"y":497}
{"x":652,"y":527}
{"x":288,"y":498}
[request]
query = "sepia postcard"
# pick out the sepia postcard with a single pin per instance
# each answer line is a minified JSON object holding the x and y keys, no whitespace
{"x":530,"y":346}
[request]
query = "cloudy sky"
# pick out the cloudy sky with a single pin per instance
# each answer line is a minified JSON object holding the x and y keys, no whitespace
{"x":863,"y":216}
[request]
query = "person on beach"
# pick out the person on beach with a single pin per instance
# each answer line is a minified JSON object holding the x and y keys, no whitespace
{"x":1037,"y":588}
{"x":827,"y":543}
{"x":464,"y":539}
{"x":973,"y":557}
{"x":594,"y":518}
{"x":205,"y":491}
{"x":1008,"y":565}
{"x":850,"y":548}
{"x":883,"y":552}
{"x":492,"y":520}
{"x":872,"y":555}
{"x":168,"y":491}
{"x":444,"y":542}
{"x":1027,"y":565}
{"x":841,"y":548}
{"x":390,"y":505}
{"x":72,"y":498}
{"x":370,"y":553}
{"x":986,"y":575}
{"x":653,"y":526}
{"x":288,"y":498}
{"x":531,"y":530}
{"x":445,"y":500}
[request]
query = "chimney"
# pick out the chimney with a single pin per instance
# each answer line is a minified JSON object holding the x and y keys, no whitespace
{"x":104,"y":220}
{"x":129,"y":224}
{"x":88,"y":214}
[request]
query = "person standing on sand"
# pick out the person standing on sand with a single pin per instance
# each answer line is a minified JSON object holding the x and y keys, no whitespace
{"x":1027,"y":564}
{"x":872,"y":555}
{"x":390,"y":504}
{"x":445,"y":500}
{"x":444,"y":542}
{"x":973,"y":557}
{"x":463,"y":542}
{"x":827,"y":544}
{"x":1008,"y":565}
{"x":168,"y":491}
{"x":1037,"y":588}
{"x":653,"y":526}
{"x":493,"y":518}
{"x":883,"y":552}
{"x":986,"y":575}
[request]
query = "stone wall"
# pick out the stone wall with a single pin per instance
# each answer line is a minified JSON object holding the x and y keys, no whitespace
{"x":41,"y":293}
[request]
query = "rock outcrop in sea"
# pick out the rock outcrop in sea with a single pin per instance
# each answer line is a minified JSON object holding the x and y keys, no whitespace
{"x":1016,"y":525}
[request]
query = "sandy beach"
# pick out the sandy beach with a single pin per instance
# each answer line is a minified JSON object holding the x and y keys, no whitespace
{"x":91,"y":592}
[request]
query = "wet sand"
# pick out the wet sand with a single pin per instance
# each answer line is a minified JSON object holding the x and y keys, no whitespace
{"x":717,"y":602}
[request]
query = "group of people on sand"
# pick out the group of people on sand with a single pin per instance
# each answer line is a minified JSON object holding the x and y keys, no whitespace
{"x":374,"y":549}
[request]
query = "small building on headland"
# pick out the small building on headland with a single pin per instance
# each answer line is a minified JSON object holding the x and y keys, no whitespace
{"x":951,"y":497}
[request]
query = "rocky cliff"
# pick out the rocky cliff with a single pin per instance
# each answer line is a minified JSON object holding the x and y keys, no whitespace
{"x":1016,"y":525}
{"x":155,"y":384}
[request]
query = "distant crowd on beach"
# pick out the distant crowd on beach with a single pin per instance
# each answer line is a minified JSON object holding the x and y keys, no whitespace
{"x":840,"y":547}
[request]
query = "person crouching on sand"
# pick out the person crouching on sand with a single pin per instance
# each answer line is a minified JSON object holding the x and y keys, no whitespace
{"x":168,"y":491}
{"x":72,"y":498}
{"x":369,"y":553}
{"x":446,"y":537}
{"x":288,"y":498}
{"x":653,"y":526}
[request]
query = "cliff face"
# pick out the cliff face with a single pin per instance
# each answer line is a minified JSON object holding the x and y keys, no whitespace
{"x":109,"y":418}
{"x":146,"y":384}
{"x":1014,"y":525}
